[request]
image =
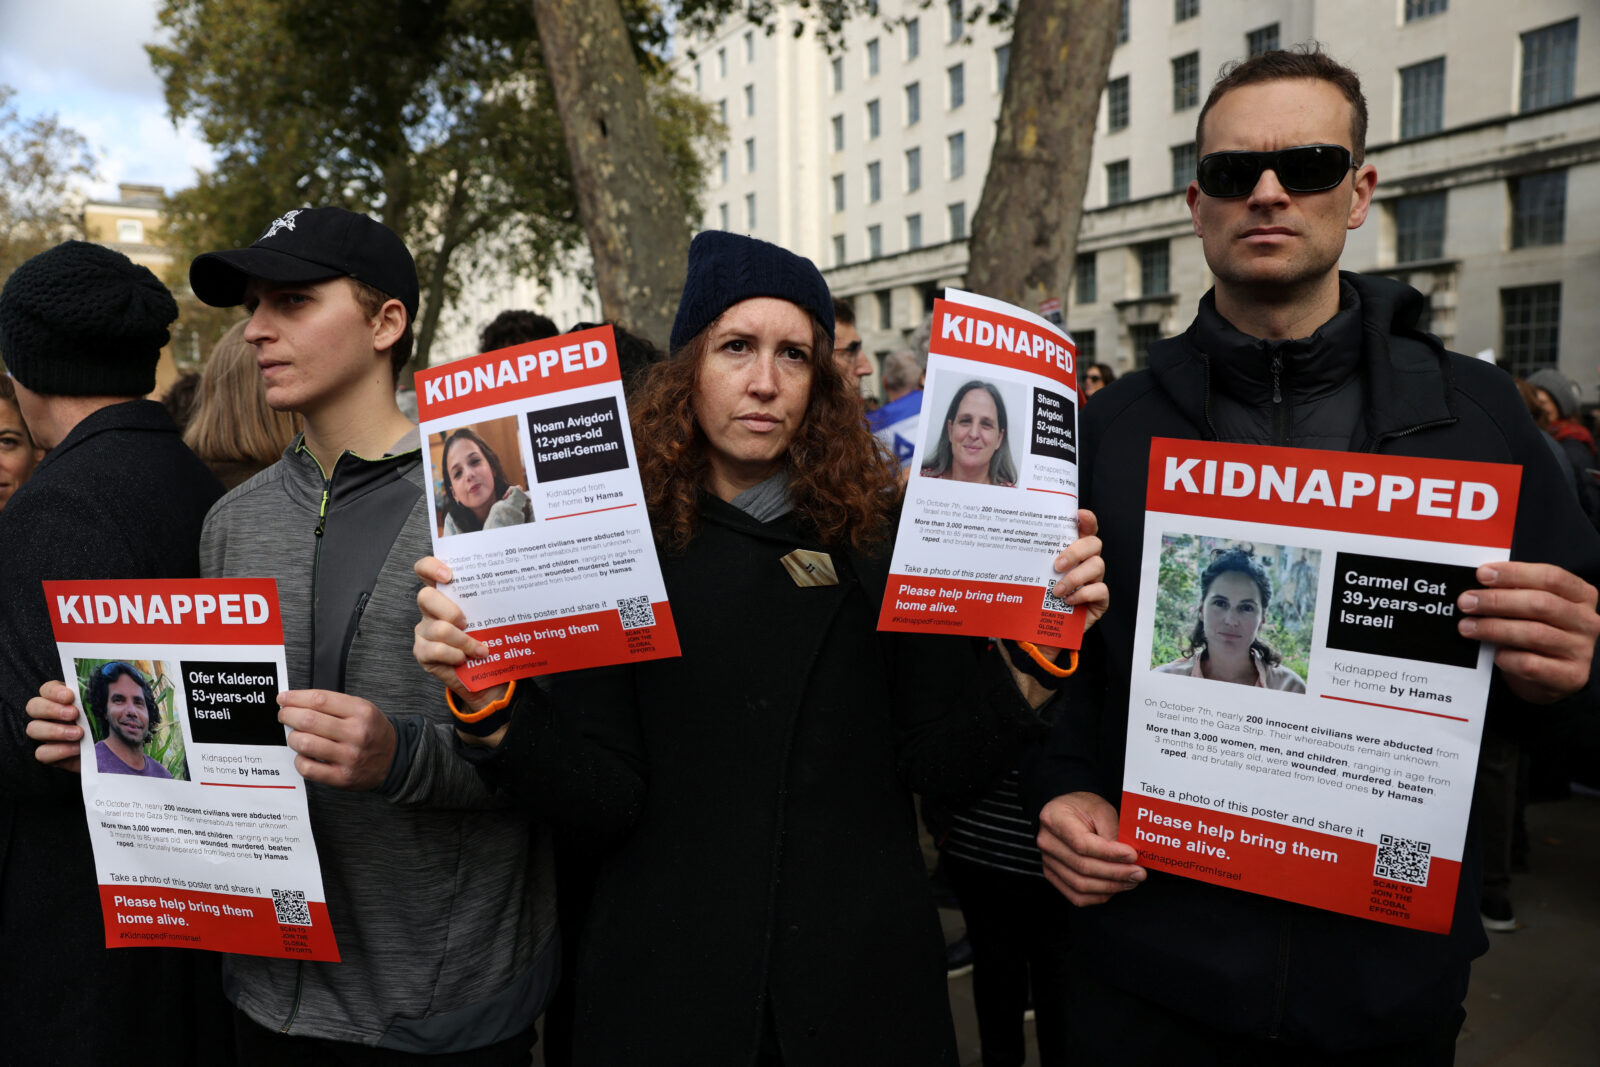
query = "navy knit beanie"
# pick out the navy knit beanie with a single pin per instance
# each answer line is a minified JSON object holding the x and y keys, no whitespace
{"x":725,"y":268}
{"x":82,"y":320}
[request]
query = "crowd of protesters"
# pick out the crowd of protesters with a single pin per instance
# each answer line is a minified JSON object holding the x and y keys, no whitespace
{"x":714,"y":859}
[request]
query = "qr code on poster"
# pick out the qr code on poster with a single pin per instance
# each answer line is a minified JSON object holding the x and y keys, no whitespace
{"x":290,"y":904}
{"x":636,"y":612}
{"x":1053,"y":602}
{"x":1402,"y":860}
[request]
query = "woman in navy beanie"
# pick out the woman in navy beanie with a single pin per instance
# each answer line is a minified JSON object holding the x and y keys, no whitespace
{"x":761,"y":895}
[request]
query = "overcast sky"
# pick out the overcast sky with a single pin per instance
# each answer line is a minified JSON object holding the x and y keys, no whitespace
{"x":84,"y":60}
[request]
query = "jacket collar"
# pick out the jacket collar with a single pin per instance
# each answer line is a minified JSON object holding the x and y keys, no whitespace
{"x":139,"y":415}
{"x":1407,"y":379}
{"x":352,"y":476}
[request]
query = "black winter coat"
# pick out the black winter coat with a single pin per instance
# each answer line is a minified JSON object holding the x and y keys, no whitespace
{"x":1234,"y":961}
{"x":756,"y":794}
{"x":120,"y":497}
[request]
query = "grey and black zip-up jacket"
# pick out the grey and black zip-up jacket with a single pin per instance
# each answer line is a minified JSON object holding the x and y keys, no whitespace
{"x":1368,"y":380}
{"x":441,"y":898}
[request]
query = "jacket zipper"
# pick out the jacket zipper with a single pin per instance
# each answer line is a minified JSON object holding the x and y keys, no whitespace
{"x":350,"y":633}
{"x":1280,"y":410}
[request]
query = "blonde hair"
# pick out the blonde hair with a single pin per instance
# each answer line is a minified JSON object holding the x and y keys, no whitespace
{"x":231,"y":422}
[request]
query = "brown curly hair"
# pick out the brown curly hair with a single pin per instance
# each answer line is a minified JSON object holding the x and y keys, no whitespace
{"x":841,"y":480}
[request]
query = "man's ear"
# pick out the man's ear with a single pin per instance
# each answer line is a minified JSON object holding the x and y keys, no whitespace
{"x":1365,"y":182}
{"x":1190,"y":197}
{"x":388,"y":325}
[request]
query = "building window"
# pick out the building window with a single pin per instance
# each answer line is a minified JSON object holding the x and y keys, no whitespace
{"x":913,"y":103}
{"x":722,"y":164}
{"x":1539,"y":209}
{"x":722,"y":217}
{"x":1143,"y":335}
{"x":958,"y":85}
{"x":1002,"y":67}
{"x":699,"y":82}
{"x":958,"y":22}
{"x":872,"y":57}
{"x":1422,"y":98}
{"x":749,"y":100}
{"x":1419,"y":228}
{"x":722,"y":62}
{"x":956,"y":149}
{"x":874,"y":242}
{"x":749,"y":46}
{"x":1530,"y":319}
{"x":1085,"y":284}
{"x":722,"y":111}
{"x":1117,"y":182}
{"x":874,"y":182}
{"x":838,"y":192}
{"x":1183,"y":164}
{"x":838,"y":132}
{"x":1418,"y":9}
{"x":885,"y":309}
{"x":838,"y":249}
{"x":1117,"y":104}
{"x":1122,"y":22}
{"x":1154,"y":279}
{"x":873,"y":125}
{"x":1263,"y":40}
{"x":913,"y":231}
{"x":130,"y":231}
{"x":1084,"y":341}
{"x":750,"y":155}
{"x":750,"y":210}
{"x":1549,"y":65}
{"x":837,"y":67}
{"x":1184,"y":10}
{"x":913,"y":169}
{"x":913,"y":38}
{"x":1186,"y":81}
{"x":958,"y":221}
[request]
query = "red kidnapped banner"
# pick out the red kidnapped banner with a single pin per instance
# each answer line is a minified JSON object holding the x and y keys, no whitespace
{"x":145,"y":915}
{"x":984,"y":336}
{"x":588,"y":357}
{"x":567,"y":643}
{"x":1361,"y":493}
{"x":1293,"y":862}
{"x":195,"y":611}
{"x":986,"y":609}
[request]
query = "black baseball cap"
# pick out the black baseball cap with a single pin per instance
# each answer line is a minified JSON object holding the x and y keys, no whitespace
{"x":310,"y":245}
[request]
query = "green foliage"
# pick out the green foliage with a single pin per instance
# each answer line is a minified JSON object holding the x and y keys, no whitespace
{"x":433,"y":115}
{"x":165,"y":745}
{"x":41,"y":163}
{"x":1291,"y":614}
{"x":698,"y":18}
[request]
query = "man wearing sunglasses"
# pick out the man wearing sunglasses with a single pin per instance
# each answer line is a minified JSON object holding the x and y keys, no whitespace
{"x":1286,"y":350}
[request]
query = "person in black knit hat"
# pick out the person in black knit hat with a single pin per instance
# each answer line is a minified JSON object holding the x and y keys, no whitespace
{"x":117,"y":496}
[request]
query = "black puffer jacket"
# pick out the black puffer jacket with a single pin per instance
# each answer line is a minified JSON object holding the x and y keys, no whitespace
{"x":1368,"y":381}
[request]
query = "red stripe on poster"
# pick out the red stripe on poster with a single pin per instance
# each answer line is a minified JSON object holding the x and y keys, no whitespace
{"x":980,"y":609}
{"x":569,"y":643}
{"x":138,"y":916}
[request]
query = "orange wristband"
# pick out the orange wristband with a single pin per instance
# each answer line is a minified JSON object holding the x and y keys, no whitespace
{"x":1038,"y":657}
{"x":483,"y":712}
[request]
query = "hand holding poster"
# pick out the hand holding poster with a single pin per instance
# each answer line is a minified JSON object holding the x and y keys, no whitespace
{"x":539,"y":511}
{"x":196,"y":814}
{"x":993,"y":494}
{"x":1307,"y":719}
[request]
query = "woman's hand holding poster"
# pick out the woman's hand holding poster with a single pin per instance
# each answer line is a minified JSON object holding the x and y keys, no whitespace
{"x":1306,"y":721}
{"x":993,"y":495}
{"x":197,"y":815}
{"x":538,"y":509}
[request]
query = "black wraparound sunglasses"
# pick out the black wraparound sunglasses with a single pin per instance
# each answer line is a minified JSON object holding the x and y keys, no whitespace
{"x":1307,"y":168}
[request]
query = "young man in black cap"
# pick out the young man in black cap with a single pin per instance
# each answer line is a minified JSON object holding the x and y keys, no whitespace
{"x":441,"y":900}
{"x":117,"y":496}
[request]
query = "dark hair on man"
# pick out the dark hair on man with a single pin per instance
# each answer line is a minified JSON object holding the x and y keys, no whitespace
{"x":843,"y":311}
{"x":635,"y":354}
{"x":100,"y":688}
{"x":371,"y":301}
{"x":1303,"y":61}
{"x":180,"y":397}
{"x":1243,"y":561}
{"x":515,"y":328}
